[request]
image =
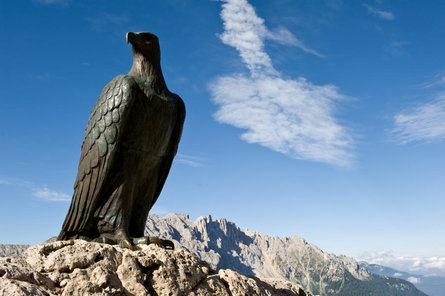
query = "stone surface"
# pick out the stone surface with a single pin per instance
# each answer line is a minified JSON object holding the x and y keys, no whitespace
{"x":77,"y":267}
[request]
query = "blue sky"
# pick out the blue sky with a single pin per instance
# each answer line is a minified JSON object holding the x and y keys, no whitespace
{"x":324,"y":119}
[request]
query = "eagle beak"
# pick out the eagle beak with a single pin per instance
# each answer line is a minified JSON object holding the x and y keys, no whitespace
{"x":129,"y":37}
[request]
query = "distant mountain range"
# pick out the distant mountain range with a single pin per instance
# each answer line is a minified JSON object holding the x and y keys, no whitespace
{"x":431,"y":285}
{"x":12,"y":250}
{"x":223,"y":245}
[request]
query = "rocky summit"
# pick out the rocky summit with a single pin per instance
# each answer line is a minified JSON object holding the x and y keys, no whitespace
{"x":78,"y":267}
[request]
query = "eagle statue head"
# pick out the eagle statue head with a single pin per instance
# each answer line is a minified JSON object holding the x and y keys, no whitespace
{"x":146,"y":44}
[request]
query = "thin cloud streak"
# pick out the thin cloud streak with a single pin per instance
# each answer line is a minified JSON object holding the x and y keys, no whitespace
{"x":5,"y":182}
{"x":422,"y":123}
{"x":385,"y":15}
{"x":190,"y":160}
{"x":160,"y":210}
{"x":438,"y":81}
{"x":397,"y":48}
{"x":99,"y":22}
{"x":51,"y":2}
{"x":294,"y":117}
{"x":284,"y":36}
{"x":50,"y":195}
{"x":15,"y":182}
{"x":42,"y":192}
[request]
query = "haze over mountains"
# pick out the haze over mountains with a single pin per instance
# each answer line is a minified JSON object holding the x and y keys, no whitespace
{"x":432,"y":285}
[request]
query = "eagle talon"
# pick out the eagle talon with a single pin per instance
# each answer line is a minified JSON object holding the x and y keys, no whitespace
{"x":147,"y":240}
{"x":168,"y":244}
{"x":163,"y":243}
{"x":125,"y":243}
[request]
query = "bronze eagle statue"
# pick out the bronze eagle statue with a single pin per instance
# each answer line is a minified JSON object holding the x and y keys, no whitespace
{"x":130,"y":141}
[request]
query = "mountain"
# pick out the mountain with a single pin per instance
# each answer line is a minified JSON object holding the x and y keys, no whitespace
{"x":431,"y":285}
{"x":79,"y":268}
{"x":223,"y":245}
{"x":12,"y":250}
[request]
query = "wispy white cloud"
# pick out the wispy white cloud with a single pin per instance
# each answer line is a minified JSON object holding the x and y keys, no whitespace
{"x":398,"y":44}
{"x":437,"y":81}
{"x":42,"y":192}
{"x":413,"y":280}
{"x":415,"y":265}
{"x":42,"y":77}
{"x":98,"y":22}
{"x":15,"y":182}
{"x":291,"y":116}
{"x":245,"y":31}
{"x":50,"y":195}
{"x":190,"y":160}
{"x":4,"y":182}
{"x":284,"y":36}
{"x":50,"y":2}
{"x":160,"y":210}
{"x":385,"y":15}
{"x":397,"y":48}
{"x":424,"y":122}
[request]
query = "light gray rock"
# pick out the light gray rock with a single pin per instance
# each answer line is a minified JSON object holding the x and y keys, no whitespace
{"x":78,"y":267}
{"x":12,"y":250}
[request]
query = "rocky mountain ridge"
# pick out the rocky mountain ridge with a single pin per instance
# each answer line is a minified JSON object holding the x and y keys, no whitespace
{"x":12,"y":250}
{"x":223,"y":245}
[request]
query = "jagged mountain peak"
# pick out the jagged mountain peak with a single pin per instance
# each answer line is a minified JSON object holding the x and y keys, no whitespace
{"x":223,"y":244}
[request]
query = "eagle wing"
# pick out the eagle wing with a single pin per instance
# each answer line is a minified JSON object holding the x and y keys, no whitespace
{"x":173,"y":146}
{"x":139,"y":216}
{"x":98,"y":155}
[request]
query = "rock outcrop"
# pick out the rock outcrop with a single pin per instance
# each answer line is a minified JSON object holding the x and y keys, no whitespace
{"x":78,"y":267}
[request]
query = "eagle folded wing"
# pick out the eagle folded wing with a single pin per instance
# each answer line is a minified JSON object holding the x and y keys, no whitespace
{"x":98,"y":154}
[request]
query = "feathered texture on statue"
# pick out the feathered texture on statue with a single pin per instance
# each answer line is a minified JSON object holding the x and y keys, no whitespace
{"x":130,"y":141}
